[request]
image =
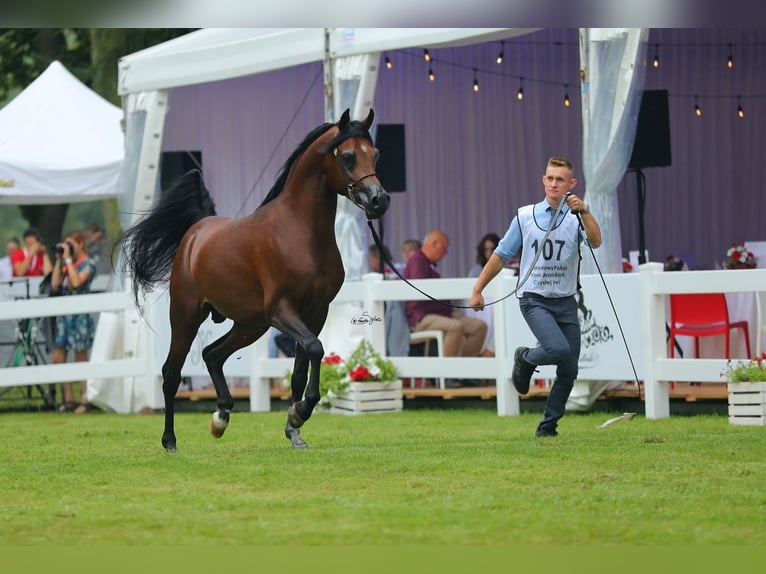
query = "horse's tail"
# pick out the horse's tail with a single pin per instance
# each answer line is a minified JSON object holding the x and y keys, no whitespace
{"x":150,"y":245}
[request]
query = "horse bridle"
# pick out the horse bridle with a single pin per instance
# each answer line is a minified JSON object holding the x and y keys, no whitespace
{"x":353,"y":184}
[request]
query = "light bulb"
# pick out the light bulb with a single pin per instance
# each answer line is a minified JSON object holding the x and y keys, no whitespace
{"x":426,"y":55}
{"x":566,"y":100}
{"x":431,"y":75}
{"x":389,"y":65}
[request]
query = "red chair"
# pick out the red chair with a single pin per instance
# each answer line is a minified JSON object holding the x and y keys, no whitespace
{"x":703,"y":315}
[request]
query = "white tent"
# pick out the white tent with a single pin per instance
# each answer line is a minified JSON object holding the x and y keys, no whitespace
{"x":60,"y":142}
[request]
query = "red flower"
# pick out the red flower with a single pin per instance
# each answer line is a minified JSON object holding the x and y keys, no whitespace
{"x":332,"y":359}
{"x":359,"y":373}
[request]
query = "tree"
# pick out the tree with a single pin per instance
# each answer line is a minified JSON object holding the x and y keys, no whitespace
{"x":92,"y":56}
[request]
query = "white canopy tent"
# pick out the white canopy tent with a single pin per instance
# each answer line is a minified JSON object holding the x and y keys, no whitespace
{"x":351,"y":57}
{"x":60,"y":142}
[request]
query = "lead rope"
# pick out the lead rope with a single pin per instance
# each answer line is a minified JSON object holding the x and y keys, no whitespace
{"x":614,"y":310}
{"x":387,"y":259}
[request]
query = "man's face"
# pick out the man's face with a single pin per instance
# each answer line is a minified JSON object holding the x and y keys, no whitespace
{"x":558,"y":182}
{"x":440,"y":247}
{"x":10,"y":247}
{"x":30,"y":242}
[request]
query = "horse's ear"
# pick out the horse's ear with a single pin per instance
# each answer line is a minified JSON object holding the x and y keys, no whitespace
{"x":345,"y":120}
{"x":368,"y":120}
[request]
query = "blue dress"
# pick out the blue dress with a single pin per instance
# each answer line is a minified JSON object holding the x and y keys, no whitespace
{"x":76,"y":332}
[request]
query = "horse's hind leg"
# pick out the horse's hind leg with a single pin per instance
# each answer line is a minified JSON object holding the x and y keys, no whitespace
{"x":182,"y":336}
{"x":215,"y":355}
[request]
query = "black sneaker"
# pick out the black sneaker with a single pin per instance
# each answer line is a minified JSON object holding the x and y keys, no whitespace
{"x":522,"y":371}
{"x":546,"y":432}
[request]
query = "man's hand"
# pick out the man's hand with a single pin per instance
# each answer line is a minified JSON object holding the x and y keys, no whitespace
{"x":477,"y":302}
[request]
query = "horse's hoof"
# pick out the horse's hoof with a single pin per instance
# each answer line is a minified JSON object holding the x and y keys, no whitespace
{"x":293,"y":418}
{"x":295,"y":437}
{"x":218,"y":424}
{"x":169,"y":446}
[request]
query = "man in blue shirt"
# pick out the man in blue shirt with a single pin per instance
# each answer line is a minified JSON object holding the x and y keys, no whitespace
{"x":548,"y":281}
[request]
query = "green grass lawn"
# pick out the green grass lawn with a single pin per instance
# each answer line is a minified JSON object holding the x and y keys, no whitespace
{"x":425,"y":477}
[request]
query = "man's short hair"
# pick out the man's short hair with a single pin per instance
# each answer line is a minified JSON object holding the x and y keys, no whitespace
{"x":32,"y":232}
{"x":561,"y":162}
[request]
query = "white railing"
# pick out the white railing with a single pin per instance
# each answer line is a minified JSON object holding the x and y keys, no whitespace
{"x":657,"y":367}
{"x":643,"y":325}
{"x":67,"y":305}
{"x":371,"y":293}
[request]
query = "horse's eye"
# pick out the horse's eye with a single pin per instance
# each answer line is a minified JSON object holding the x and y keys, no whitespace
{"x":348,"y":158}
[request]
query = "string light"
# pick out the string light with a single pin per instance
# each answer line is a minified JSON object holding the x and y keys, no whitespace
{"x":730,"y":60}
{"x":656,"y":61}
{"x":389,"y":65}
{"x":520,"y":93}
{"x":566,"y":96}
{"x":697,"y":109}
{"x":501,"y":55}
{"x":475,"y":81}
{"x":426,"y":55}
{"x":740,"y":111}
{"x":431,"y":75}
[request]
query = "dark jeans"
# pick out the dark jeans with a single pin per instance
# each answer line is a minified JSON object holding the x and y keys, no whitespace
{"x":555,"y":324}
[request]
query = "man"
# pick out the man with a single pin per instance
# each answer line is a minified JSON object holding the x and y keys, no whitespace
{"x":32,"y":260}
{"x":6,"y":267}
{"x":549,"y":279}
{"x":463,"y":336}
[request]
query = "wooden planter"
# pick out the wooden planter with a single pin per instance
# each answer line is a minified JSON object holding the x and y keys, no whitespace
{"x":747,"y":403}
{"x":362,"y":398}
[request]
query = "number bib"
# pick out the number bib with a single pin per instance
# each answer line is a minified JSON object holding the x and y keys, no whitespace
{"x":558,"y":266}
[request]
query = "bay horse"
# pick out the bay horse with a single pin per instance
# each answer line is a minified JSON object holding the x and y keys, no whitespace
{"x":278,"y":266}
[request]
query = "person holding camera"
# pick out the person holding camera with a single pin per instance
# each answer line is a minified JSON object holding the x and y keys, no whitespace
{"x":32,"y":260}
{"x":73,"y":273}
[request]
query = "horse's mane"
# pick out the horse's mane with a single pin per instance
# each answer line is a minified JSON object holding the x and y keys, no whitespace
{"x":355,"y":129}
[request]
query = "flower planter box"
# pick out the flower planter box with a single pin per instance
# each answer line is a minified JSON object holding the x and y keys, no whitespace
{"x":747,"y":403}
{"x":363,"y":398}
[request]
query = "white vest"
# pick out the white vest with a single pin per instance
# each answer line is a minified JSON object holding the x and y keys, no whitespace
{"x":557,"y":268}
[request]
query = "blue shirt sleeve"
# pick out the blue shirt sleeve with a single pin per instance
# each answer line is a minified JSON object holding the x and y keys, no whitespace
{"x":510,"y":243}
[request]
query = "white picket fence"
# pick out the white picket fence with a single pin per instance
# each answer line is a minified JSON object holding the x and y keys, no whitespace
{"x":644,"y":325}
{"x":11,"y":310}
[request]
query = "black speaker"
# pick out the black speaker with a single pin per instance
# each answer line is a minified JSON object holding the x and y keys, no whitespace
{"x":389,"y":139}
{"x":652,"y":145}
{"x":173,"y":164}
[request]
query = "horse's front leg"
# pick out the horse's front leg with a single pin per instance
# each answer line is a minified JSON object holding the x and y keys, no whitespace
{"x":297,"y":386}
{"x":302,"y":405}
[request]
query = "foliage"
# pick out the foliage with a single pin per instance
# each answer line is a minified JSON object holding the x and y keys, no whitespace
{"x":363,"y":365}
{"x":738,"y":257}
{"x":752,"y":371}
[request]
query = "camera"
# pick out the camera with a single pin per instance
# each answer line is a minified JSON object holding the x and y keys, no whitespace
{"x":60,"y":248}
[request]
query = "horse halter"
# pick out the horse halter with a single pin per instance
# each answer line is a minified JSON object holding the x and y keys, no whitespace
{"x":353,"y":184}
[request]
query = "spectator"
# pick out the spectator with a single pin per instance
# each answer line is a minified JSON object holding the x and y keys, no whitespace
{"x":409,"y":246}
{"x":6,"y":266}
{"x":73,"y":273}
{"x":377,"y":265}
{"x":463,"y":335}
{"x":32,"y":260}
{"x":484,"y":249}
{"x":94,"y":242}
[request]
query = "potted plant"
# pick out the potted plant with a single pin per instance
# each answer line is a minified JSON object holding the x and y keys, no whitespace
{"x":738,"y":257}
{"x":365,"y":382}
{"x":747,"y":391}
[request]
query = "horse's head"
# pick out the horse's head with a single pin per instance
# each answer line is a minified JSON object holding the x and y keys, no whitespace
{"x":355,"y":157}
